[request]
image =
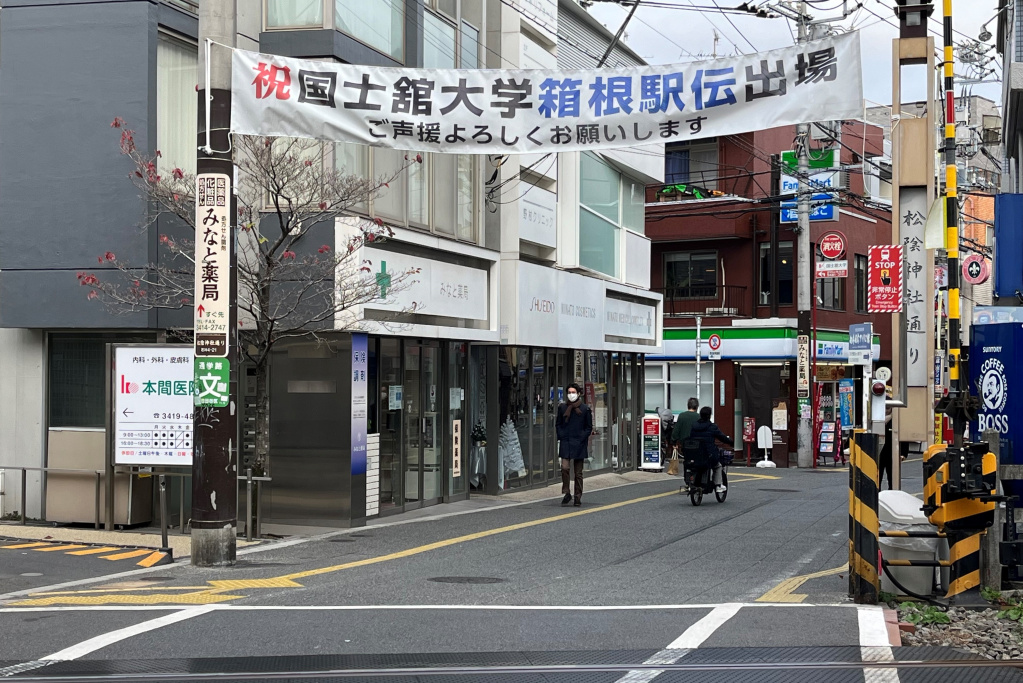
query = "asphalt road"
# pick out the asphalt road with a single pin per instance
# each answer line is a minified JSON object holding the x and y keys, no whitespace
{"x":635,"y":575}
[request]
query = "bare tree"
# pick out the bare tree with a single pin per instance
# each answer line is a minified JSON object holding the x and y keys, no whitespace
{"x":284,"y":191}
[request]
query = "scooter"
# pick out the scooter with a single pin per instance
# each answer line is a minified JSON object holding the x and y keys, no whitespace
{"x":699,"y":472}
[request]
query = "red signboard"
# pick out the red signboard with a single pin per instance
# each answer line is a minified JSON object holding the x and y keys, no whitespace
{"x":749,"y":429}
{"x":884,"y":279}
{"x":651,"y":426}
{"x":975,"y":269}
{"x":832,"y":245}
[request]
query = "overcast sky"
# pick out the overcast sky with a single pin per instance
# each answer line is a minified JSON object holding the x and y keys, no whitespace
{"x":663,"y":36}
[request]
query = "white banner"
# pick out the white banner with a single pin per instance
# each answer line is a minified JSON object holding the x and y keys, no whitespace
{"x":488,"y":111}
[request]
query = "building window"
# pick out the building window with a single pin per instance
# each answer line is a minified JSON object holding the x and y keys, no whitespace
{"x":608,"y":202}
{"x":785,"y":273}
{"x":378,"y":23}
{"x":691,"y":274}
{"x":695,"y":164}
{"x":294,"y":14}
{"x":439,"y":46}
{"x":176,"y":76}
{"x":77,"y":377}
{"x":830,"y":291}
{"x":671,"y":385}
{"x":861,"y":283}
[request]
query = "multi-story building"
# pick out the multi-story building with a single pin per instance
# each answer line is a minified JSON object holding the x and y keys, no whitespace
{"x":725,"y":260}
{"x":555,"y":244}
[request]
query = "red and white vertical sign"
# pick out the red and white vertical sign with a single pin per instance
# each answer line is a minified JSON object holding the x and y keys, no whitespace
{"x":213,"y":243}
{"x":884,"y":279}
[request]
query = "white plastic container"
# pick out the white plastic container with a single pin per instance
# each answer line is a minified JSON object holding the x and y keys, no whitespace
{"x":899,"y":511}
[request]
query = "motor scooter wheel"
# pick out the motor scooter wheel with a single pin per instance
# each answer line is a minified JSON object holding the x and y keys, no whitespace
{"x":696,"y":495}
{"x":724,"y":480}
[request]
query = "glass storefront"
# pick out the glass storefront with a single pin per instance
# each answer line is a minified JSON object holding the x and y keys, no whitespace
{"x":419,"y":408}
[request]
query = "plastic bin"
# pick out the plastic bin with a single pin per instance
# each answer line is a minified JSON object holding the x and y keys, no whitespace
{"x":899,"y":511}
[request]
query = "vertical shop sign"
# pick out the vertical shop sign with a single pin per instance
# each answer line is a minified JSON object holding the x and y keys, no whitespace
{"x":847,"y":402}
{"x":360,"y":353}
{"x":456,"y":448}
{"x":803,"y":366}
{"x":213,"y":244}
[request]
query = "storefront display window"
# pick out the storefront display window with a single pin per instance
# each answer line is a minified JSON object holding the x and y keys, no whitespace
{"x":597,"y":395}
{"x":671,"y":385}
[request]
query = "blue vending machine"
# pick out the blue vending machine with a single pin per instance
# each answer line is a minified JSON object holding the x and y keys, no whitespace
{"x":996,"y":377}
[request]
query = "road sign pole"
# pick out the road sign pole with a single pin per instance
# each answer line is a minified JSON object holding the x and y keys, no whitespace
{"x":214,"y":465}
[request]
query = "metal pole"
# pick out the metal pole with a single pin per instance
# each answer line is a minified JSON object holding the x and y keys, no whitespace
{"x":248,"y":503}
{"x":804,"y":448}
{"x":618,"y":36}
{"x":99,"y":486}
{"x":959,"y":390}
{"x":163,"y":511}
{"x":699,"y":354}
{"x":814,"y":401}
{"x":215,"y":433}
{"x":24,"y":494}
{"x":259,"y":509}
{"x":181,"y":506}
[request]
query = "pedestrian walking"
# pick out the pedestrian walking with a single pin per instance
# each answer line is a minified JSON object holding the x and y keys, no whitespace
{"x":574,"y":426}
{"x":885,"y":459}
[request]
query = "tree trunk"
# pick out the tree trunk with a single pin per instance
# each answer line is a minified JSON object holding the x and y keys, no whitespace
{"x":262,"y":425}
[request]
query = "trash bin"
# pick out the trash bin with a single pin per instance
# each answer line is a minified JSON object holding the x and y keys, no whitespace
{"x":899,"y":511}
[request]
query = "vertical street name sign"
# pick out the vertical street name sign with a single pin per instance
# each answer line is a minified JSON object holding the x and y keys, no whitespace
{"x":803,"y":366}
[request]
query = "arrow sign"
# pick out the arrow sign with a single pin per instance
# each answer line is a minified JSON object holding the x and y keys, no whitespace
{"x":200,"y":310}
{"x":127,"y":412}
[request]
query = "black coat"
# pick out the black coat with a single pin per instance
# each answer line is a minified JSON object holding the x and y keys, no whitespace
{"x":708,"y":433}
{"x":574,"y":434}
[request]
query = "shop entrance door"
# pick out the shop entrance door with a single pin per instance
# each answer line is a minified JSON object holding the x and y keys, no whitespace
{"x":557,"y":380}
{"x":423,"y":439}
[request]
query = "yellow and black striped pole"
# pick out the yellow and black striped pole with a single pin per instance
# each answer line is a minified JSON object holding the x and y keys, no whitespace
{"x":956,"y":384}
{"x":864,"y":557}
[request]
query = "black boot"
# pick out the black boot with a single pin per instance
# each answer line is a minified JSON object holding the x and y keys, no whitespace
{"x":566,"y":500}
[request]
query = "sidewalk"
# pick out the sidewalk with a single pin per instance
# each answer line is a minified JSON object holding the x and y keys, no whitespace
{"x":147,"y":537}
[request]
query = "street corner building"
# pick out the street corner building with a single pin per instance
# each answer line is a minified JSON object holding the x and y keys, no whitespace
{"x":532,"y":271}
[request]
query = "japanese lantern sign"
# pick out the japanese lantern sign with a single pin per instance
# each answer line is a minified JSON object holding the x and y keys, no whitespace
{"x":213,"y":240}
{"x":884,"y":279}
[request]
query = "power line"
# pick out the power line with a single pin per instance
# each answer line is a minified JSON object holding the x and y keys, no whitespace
{"x":736,"y":27}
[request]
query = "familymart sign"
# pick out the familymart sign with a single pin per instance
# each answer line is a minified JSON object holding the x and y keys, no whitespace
{"x":824,"y":181}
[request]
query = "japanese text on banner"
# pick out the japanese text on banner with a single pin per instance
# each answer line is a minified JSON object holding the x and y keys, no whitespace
{"x":528,"y":111}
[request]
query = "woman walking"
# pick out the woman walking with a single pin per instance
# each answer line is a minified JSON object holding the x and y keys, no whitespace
{"x":574,"y":426}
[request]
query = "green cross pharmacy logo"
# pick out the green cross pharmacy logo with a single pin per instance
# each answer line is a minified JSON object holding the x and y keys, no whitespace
{"x":383,"y":279}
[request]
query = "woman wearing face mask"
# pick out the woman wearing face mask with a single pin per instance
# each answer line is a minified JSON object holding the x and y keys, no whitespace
{"x":574,"y":424}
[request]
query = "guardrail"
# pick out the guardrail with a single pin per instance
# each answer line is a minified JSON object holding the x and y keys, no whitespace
{"x":24,"y":485}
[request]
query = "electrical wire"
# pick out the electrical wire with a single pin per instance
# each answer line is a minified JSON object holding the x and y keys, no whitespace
{"x":736,"y":27}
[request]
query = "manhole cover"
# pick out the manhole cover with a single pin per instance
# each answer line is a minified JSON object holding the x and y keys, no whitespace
{"x":466,"y":579}
{"x":782,"y":490}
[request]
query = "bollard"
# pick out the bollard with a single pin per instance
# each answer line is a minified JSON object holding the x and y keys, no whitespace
{"x":248,"y":503}
{"x":259,"y":510}
{"x":181,"y":506}
{"x":864,"y":554}
{"x":24,"y":494}
{"x":163,"y":512}
{"x":99,"y":486}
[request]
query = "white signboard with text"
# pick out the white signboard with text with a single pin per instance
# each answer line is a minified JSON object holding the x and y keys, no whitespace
{"x":152,"y":388}
{"x":913,"y":206}
{"x":441,"y":289}
{"x":506,"y":111}
{"x":213,"y":243}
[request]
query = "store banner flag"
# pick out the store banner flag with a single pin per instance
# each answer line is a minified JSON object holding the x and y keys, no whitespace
{"x":501,"y":111}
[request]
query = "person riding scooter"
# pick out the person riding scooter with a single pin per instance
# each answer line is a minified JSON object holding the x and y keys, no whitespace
{"x":709,"y":433}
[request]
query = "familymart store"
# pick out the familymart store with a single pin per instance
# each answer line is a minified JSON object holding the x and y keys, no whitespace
{"x":750,"y":373}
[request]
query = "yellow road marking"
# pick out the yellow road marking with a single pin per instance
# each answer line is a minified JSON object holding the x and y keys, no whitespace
{"x":783,"y":591}
{"x":125,"y":556}
{"x":214,"y":593}
{"x":125,"y":590}
{"x":24,"y":545}
{"x":96,"y":551}
{"x":55,"y":548}
{"x":152,"y":559}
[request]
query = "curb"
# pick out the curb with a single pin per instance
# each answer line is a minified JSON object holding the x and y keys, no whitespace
{"x":891,"y":622}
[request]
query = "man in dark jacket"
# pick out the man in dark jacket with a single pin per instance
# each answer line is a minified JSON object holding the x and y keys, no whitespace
{"x":709,"y":433}
{"x":685,"y":421}
{"x":574,"y":425}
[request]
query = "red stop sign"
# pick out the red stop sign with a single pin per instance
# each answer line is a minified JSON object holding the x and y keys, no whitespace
{"x":832,"y":245}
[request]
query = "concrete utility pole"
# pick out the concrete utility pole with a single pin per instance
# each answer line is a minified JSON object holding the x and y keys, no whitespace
{"x":805,"y":282}
{"x":214,"y":464}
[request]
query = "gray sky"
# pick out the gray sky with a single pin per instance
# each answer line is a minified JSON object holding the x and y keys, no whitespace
{"x":662,"y":36}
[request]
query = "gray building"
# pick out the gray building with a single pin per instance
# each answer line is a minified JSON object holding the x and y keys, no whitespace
{"x":67,"y":69}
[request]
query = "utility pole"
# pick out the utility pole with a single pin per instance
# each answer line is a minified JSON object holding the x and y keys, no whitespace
{"x":804,"y":278}
{"x":215,"y":442}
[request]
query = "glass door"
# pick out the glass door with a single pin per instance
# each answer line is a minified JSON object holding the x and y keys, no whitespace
{"x":423,"y":444}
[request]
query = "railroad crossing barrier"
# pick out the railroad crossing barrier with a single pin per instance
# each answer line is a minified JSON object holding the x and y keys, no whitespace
{"x":864,"y":552}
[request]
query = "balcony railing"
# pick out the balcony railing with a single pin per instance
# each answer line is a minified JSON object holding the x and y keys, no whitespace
{"x":722,"y":301}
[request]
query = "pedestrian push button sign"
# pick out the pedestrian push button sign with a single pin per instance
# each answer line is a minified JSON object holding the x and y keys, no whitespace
{"x":212,"y":379}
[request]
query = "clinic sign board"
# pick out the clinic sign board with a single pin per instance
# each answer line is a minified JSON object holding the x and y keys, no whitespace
{"x":151,"y":402}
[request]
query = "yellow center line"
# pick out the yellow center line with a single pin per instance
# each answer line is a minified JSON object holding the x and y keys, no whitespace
{"x":213,"y":593}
